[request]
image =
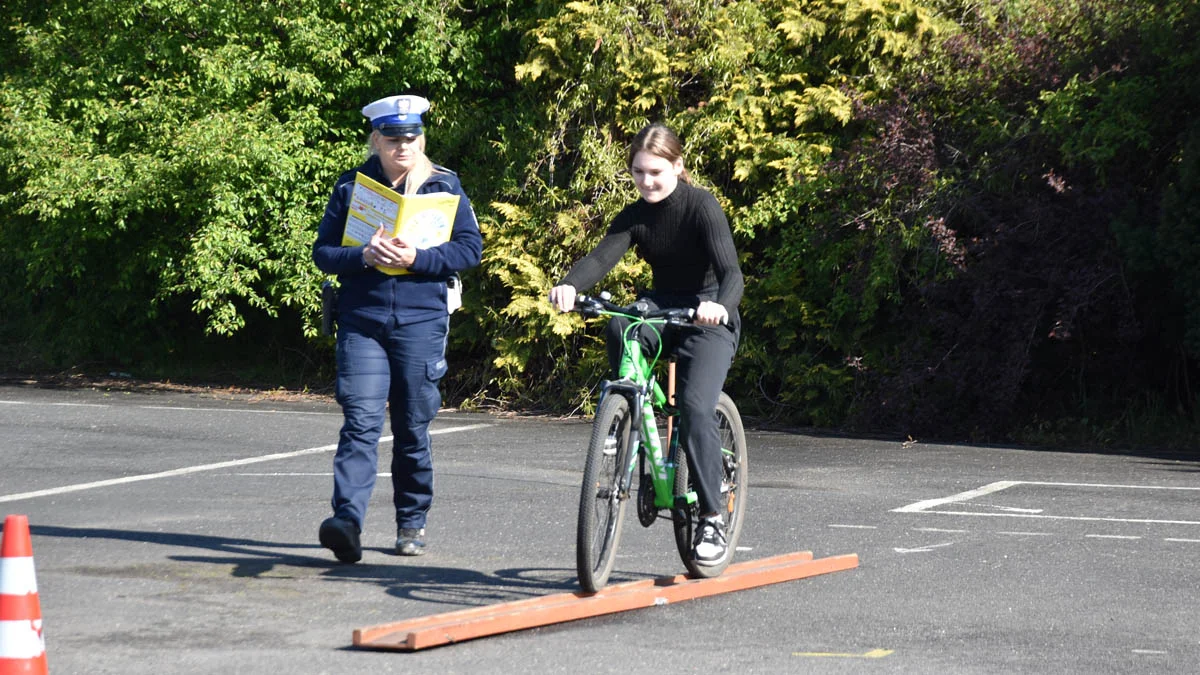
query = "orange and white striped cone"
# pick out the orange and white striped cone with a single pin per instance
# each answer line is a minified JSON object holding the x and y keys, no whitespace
{"x":22,"y":647}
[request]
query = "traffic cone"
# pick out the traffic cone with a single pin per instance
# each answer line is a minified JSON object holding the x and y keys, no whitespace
{"x":22,"y":647}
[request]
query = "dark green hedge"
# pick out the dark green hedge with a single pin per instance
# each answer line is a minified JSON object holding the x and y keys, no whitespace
{"x":957,"y":219}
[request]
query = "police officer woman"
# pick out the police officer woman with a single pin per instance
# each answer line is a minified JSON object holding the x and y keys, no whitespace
{"x":392,"y":327}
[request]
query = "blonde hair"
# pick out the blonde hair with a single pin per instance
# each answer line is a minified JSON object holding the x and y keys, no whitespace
{"x":422,"y":169}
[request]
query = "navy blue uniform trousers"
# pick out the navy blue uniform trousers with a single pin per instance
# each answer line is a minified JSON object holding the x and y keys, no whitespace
{"x":396,"y":366}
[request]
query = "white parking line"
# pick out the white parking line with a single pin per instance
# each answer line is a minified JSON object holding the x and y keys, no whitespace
{"x":929,"y":505}
{"x":44,"y":403}
{"x":960,"y":497}
{"x":205,"y":467}
{"x":1081,"y":518}
{"x":62,"y":404}
{"x":923,"y":549}
{"x":239,"y":410}
{"x":294,"y":474}
{"x":939,"y":530}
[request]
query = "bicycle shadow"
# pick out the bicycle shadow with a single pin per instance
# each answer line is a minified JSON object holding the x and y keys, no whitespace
{"x":407,"y":578}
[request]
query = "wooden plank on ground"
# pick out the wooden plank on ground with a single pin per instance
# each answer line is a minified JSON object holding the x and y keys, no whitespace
{"x":476,"y":622}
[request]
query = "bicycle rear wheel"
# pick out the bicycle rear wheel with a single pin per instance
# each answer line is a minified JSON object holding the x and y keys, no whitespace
{"x":604,"y":493}
{"x":733,"y":491}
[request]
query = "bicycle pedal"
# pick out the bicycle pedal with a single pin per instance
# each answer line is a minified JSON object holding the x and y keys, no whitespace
{"x":684,"y":501}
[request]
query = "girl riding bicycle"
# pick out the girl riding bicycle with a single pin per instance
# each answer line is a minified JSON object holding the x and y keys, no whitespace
{"x":681,"y":231}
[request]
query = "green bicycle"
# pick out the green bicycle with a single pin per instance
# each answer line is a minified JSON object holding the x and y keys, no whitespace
{"x":624,"y":443}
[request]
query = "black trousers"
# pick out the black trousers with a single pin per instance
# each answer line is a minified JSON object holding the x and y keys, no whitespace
{"x":703,"y":355}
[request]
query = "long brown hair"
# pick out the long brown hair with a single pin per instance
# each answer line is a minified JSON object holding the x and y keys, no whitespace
{"x":658,"y":139}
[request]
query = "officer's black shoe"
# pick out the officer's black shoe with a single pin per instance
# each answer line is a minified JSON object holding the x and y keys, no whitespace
{"x":411,"y":541}
{"x":341,"y":537}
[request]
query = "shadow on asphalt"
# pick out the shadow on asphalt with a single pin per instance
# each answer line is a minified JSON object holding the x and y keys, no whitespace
{"x":1176,"y":467}
{"x":407,"y":578}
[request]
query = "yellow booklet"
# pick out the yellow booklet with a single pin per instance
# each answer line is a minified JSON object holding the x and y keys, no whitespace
{"x":424,"y":220}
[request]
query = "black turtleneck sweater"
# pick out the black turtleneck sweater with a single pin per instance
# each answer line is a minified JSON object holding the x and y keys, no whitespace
{"x":686,"y":240}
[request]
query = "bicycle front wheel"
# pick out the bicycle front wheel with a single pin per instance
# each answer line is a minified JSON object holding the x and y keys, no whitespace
{"x":734,"y":481}
{"x":604,"y":493}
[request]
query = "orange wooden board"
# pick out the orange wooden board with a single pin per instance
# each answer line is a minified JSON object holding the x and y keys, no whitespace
{"x":476,"y":622}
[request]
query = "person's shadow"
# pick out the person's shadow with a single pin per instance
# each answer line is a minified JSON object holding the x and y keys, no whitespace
{"x":254,"y":558}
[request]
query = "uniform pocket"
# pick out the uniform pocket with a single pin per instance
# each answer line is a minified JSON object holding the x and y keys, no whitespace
{"x":435,"y":370}
{"x":430,"y":399}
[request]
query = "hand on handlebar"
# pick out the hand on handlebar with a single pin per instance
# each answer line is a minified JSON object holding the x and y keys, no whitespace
{"x":710,"y":313}
{"x":563,"y":297}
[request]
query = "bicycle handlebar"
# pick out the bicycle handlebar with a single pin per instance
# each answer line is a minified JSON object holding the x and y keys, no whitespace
{"x":595,"y":306}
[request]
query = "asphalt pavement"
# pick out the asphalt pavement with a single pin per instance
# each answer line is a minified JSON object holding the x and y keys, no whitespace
{"x":176,"y":533}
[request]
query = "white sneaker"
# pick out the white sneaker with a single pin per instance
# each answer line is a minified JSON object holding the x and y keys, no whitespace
{"x":710,"y":547}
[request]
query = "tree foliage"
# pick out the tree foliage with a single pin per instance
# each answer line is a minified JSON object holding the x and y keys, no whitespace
{"x":762,"y":94}
{"x":1058,"y":157}
{"x":165,"y":151}
{"x":956,"y":218}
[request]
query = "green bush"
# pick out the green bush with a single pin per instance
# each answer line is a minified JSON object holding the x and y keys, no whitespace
{"x":762,"y":95}
{"x":959,"y":219}
{"x":170,"y":150}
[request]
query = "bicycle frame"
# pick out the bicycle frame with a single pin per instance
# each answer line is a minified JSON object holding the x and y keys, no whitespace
{"x":625,"y":438}
{"x":639,"y":384}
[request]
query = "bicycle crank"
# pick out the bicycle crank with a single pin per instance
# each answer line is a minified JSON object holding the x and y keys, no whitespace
{"x":647,"y":514}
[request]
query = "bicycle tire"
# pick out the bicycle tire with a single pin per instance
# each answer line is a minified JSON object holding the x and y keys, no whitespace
{"x":603,"y":496}
{"x":734,"y":485}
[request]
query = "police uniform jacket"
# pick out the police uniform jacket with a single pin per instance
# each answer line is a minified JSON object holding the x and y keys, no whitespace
{"x":369,"y":298}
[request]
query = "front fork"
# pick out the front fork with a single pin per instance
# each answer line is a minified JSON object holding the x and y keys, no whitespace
{"x":644,"y":438}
